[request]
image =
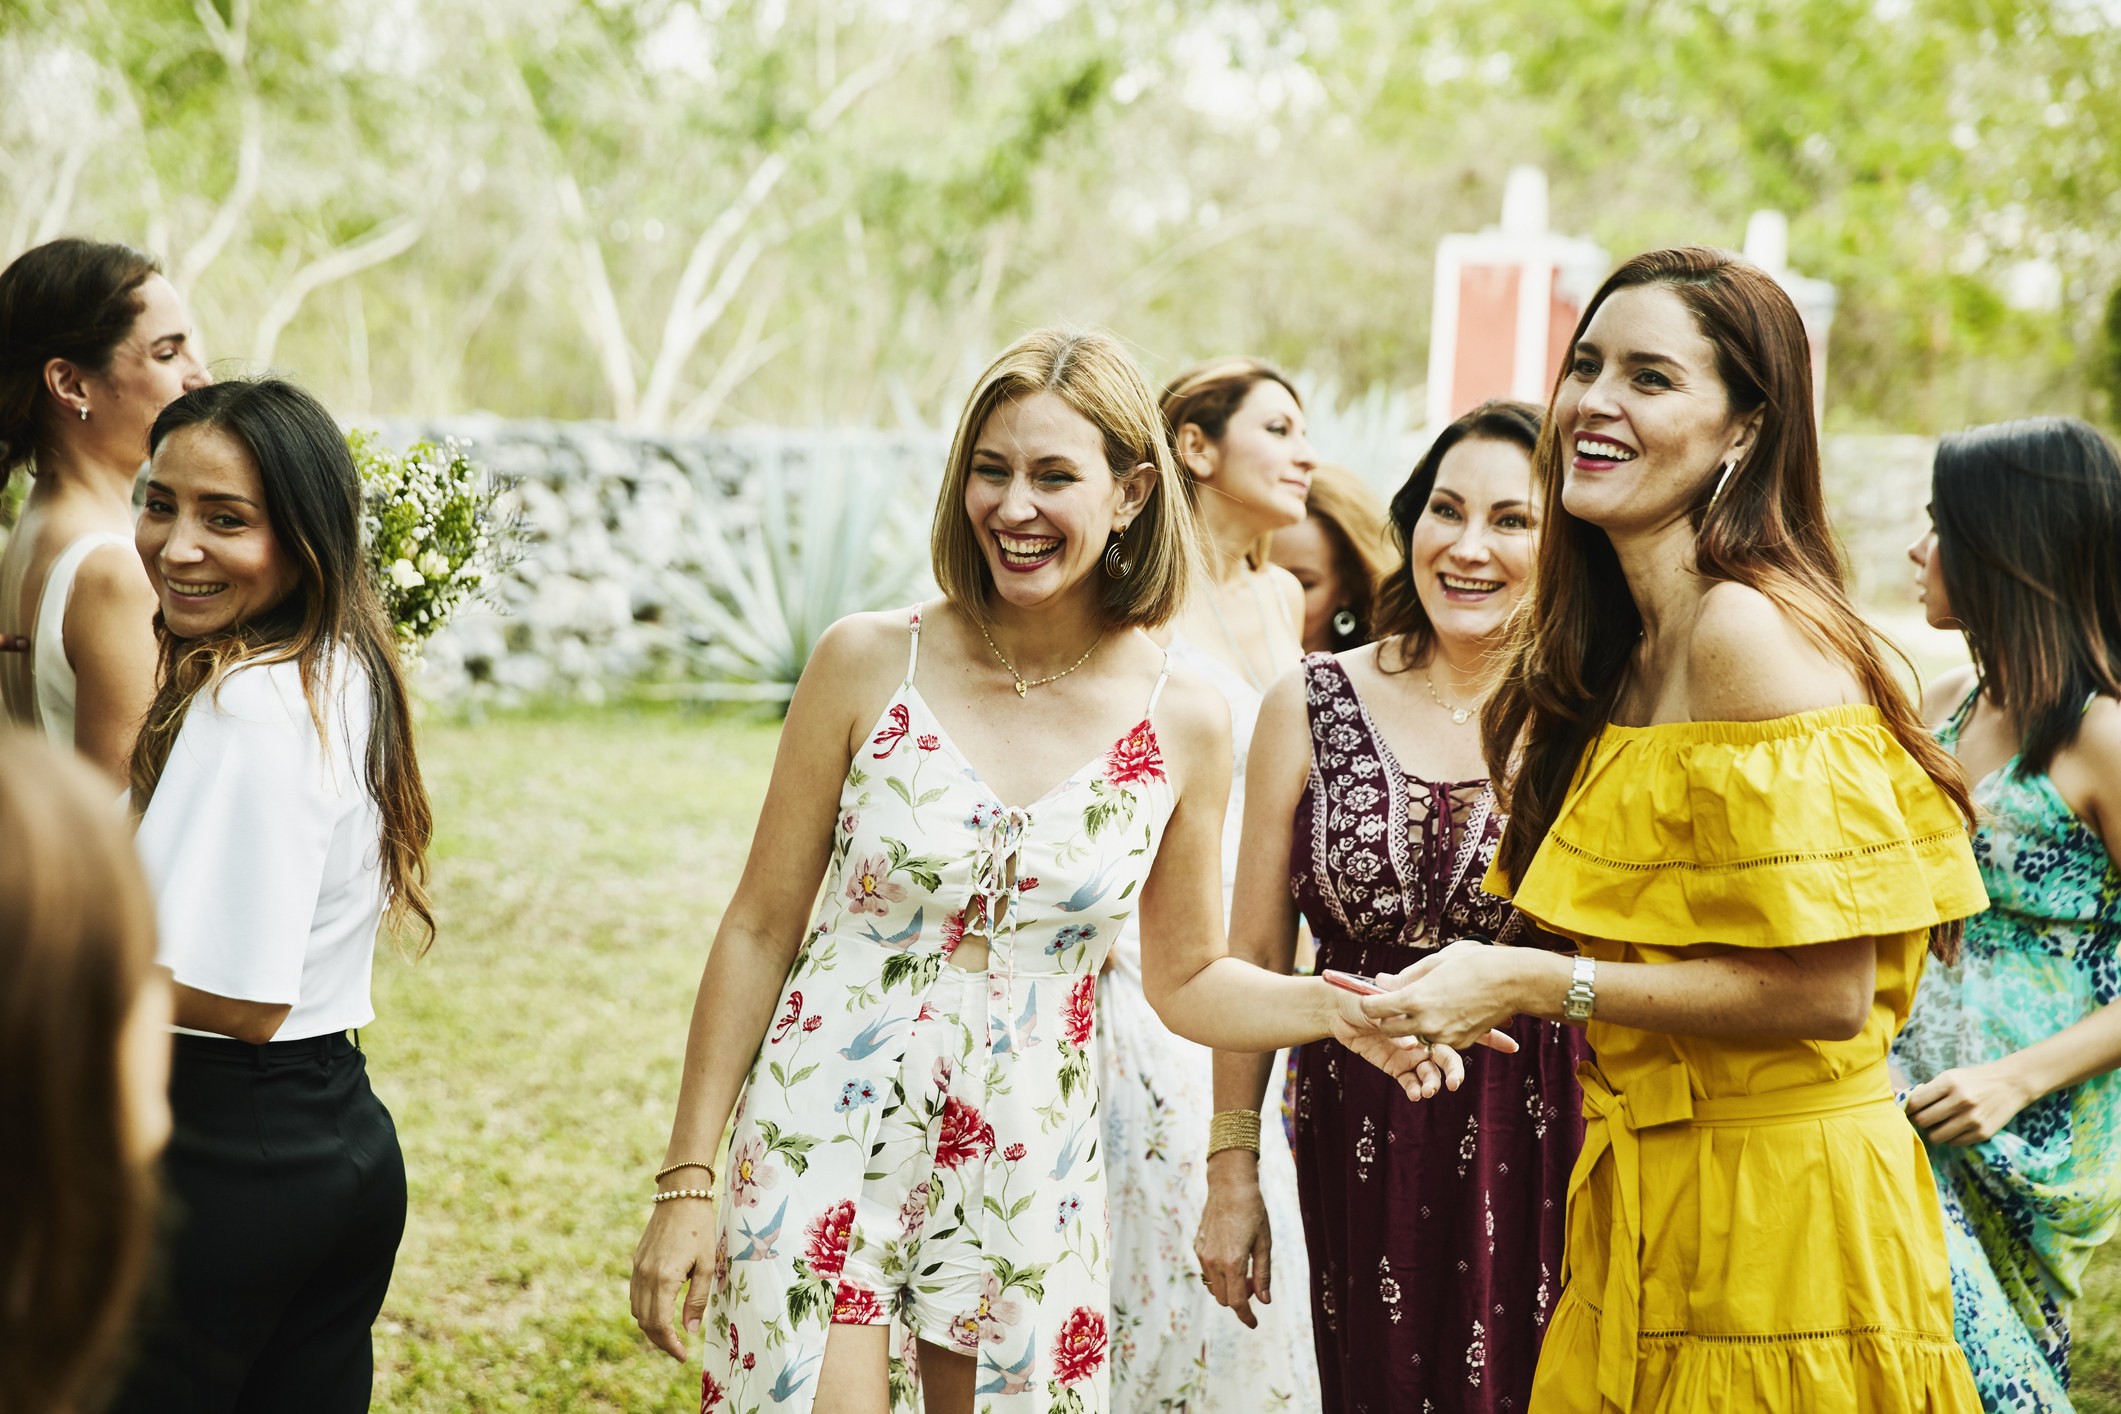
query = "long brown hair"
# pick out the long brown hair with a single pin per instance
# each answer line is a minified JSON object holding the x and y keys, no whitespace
{"x":1572,"y":636}
{"x":1399,"y":608}
{"x":1206,"y":395}
{"x":313,"y":500}
{"x":77,"y":936}
{"x":2028,"y":518}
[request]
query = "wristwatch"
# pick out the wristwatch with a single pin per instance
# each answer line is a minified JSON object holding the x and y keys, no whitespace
{"x":1581,"y":998}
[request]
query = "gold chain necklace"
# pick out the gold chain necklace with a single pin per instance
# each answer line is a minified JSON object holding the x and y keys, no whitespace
{"x":1459,"y":715}
{"x":1023,"y":687}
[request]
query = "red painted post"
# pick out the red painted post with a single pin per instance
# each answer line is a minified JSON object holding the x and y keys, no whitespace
{"x":1507,"y":300}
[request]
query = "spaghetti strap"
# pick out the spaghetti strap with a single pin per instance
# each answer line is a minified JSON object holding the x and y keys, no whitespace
{"x":1158,"y":690}
{"x":1957,"y":723}
{"x":913,"y":643}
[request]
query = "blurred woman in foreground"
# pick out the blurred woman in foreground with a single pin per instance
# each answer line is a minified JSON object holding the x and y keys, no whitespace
{"x":84,"y":1067}
{"x":2012,"y":1048}
{"x":1340,"y":557}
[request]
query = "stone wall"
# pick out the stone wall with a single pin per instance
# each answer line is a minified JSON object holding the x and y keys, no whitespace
{"x":610,"y":513}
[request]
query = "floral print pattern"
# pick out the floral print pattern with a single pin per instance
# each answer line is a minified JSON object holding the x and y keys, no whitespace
{"x":1432,"y":1226}
{"x":1171,"y":1346}
{"x":918,"y":1144}
{"x":2024,"y":1212}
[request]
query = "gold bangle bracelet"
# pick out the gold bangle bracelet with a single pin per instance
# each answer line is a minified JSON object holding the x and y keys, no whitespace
{"x":690,"y":1165}
{"x":1233,"y":1129}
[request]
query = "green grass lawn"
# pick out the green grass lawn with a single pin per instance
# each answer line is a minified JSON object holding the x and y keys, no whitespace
{"x":531,"y":1060}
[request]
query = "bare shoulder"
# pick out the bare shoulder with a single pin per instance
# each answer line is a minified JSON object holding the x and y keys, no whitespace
{"x":2099,"y":741}
{"x":1750,"y":660}
{"x":1193,"y":723}
{"x":111,"y":576}
{"x":860,"y":646}
{"x":1944,"y":694}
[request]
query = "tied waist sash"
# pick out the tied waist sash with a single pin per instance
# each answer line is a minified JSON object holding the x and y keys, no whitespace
{"x":1614,"y":1121}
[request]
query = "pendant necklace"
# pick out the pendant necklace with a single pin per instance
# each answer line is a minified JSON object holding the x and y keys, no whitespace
{"x":1022,"y":687}
{"x":1459,"y":715}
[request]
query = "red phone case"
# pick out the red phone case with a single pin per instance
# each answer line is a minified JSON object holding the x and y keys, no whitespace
{"x":1349,"y":982}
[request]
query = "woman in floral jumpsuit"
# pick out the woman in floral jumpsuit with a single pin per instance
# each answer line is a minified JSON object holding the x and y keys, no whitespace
{"x":988,"y":786}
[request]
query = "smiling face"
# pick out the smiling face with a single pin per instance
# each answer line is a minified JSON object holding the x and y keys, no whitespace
{"x":1645,"y":418}
{"x":1261,"y":468}
{"x":155,"y":364}
{"x":204,"y":536}
{"x":1042,"y":499}
{"x":1471,"y":552}
{"x":1929,"y":580}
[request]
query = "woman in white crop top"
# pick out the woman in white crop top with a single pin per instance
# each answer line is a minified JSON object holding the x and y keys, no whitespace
{"x":282,"y":821}
{"x":93,"y":344}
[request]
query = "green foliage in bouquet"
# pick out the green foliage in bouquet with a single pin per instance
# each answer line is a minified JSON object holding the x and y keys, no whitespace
{"x":434,"y":536}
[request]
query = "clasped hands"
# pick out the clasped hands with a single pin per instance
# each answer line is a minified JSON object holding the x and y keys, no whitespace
{"x":1416,"y":1030}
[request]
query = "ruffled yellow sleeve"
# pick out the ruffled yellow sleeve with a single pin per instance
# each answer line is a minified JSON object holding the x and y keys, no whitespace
{"x":1803,"y":829}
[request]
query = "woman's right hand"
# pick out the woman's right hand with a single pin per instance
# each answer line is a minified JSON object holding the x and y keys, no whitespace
{"x":677,"y":1248}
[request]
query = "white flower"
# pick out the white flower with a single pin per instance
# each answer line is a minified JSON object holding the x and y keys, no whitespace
{"x":404,"y":576}
{"x":435,"y":565}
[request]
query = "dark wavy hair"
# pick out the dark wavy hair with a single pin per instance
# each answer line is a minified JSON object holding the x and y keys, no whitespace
{"x":2028,"y":518}
{"x":1572,"y":635}
{"x":313,"y":501}
{"x":1399,"y":609}
{"x":77,"y":939}
{"x":70,"y":299}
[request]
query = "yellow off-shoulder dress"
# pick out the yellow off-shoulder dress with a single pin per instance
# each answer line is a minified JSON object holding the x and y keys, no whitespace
{"x":1752,"y":1224}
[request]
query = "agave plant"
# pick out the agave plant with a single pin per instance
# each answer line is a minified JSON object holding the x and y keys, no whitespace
{"x":1371,"y":434}
{"x":746,"y":617}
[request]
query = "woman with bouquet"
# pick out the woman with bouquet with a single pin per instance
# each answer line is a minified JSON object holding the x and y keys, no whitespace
{"x":282,"y":821}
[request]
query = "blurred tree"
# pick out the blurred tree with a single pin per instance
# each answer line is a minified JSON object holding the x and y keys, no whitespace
{"x":677,"y":212}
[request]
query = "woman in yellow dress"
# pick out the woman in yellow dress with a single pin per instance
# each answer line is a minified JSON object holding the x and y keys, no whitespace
{"x":1721,"y":793}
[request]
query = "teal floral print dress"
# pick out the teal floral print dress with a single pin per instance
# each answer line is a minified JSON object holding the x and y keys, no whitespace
{"x":2025,"y":1211}
{"x":918,"y":1144}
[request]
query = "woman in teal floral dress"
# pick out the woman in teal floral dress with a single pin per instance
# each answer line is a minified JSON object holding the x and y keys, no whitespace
{"x":987,"y":786}
{"x":2012,"y":1049}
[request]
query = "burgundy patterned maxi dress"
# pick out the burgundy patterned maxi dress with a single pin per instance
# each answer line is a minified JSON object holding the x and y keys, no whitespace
{"x":1435,"y":1229}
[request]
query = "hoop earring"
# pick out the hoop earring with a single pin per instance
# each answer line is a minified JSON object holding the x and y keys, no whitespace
{"x":1344,"y":622}
{"x":1115,"y":565}
{"x":1721,"y":481}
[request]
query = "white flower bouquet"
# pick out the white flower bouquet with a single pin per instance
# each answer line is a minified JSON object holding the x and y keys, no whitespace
{"x":434,"y":536}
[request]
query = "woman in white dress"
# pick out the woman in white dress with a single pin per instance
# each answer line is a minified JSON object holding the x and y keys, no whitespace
{"x":93,"y":344}
{"x":1237,"y":430}
{"x":282,"y":820}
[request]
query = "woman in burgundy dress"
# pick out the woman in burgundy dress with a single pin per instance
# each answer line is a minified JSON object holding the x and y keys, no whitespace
{"x":1434,"y":1227}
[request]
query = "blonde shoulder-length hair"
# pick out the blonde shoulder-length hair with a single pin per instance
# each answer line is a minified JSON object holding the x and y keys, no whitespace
{"x":1092,"y":372}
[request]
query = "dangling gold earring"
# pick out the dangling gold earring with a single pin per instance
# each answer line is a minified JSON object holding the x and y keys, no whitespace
{"x":1115,"y":564}
{"x":1722,"y":481}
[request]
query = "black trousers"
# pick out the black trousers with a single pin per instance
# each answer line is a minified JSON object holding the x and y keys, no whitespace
{"x":286,"y":1192}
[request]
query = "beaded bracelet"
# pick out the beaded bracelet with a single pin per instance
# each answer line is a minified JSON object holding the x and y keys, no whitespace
{"x":1233,"y":1129}
{"x":692,"y":1164}
{"x":683,"y":1193}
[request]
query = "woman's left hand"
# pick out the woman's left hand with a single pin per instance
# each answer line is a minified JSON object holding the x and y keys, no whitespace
{"x":1454,"y":998}
{"x":1968,"y":1105}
